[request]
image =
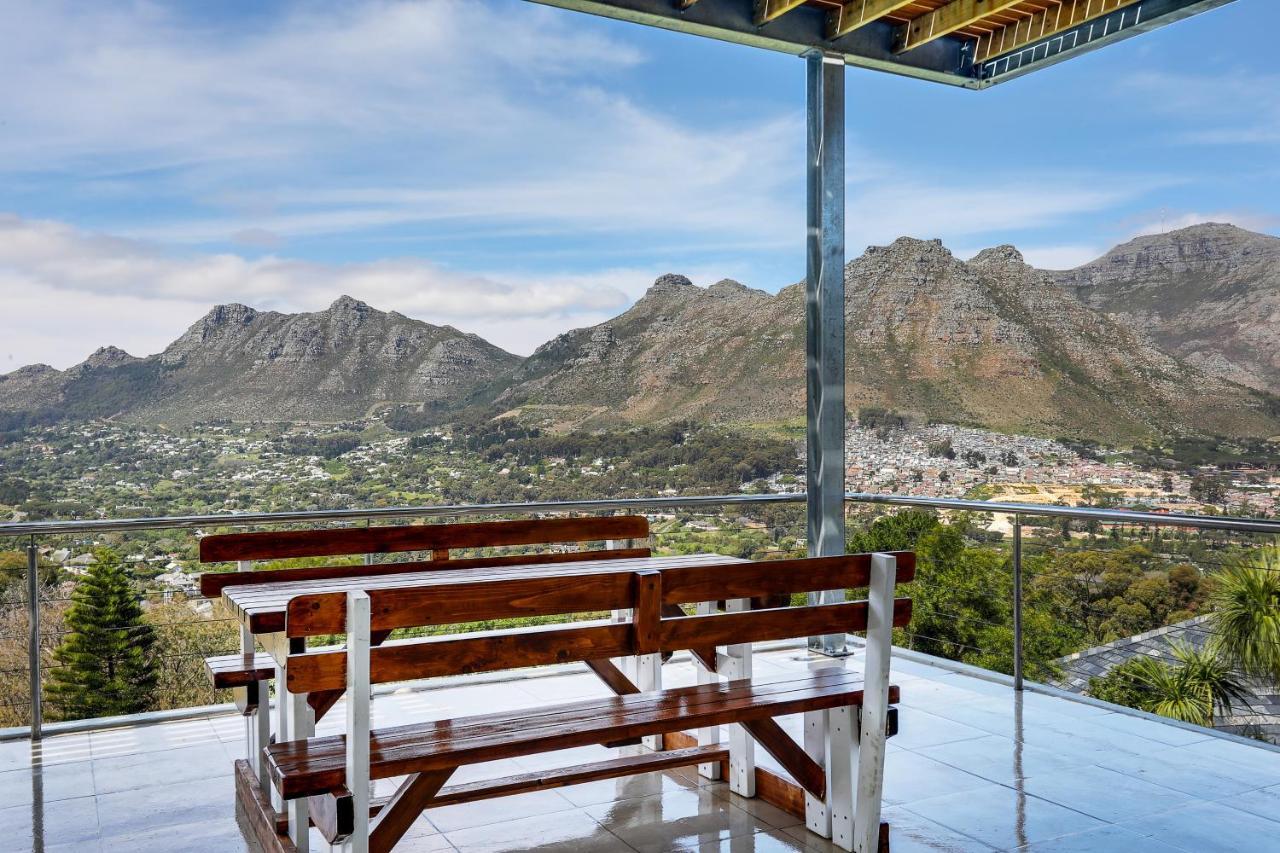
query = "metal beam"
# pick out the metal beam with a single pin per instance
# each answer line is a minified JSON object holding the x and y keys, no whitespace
{"x":824,"y":320}
{"x":1113,"y":27}
{"x":1044,"y":23}
{"x":945,"y":20}
{"x":859,"y":13}
{"x":800,"y":30}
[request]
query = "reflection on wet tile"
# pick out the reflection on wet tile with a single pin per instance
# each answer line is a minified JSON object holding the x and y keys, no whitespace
{"x":910,"y":776}
{"x":1097,"y":840}
{"x":663,"y":822}
{"x":47,"y":783}
{"x":448,"y":819}
{"x":1105,"y":794}
{"x":1000,"y":759}
{"x":65,"y":822}
{"x":165,"y":806}
{"x":568,"y":832}
{"x":917,"y":729}
{"x":1211,"y":827}
{"x":123,"y":772}
{"x":1153,"y":730}
{"x":1208,"y":778}
{"x":629,"y":788}
{"x":219,"y":835}
{"x":1002,"y":817}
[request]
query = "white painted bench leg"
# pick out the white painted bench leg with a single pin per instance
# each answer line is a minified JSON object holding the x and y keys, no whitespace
{"x":279,"y":648}
{"x":842,"y":734}
{"x":299,"y":722}
{"x":817,"y":815}
{"x":649,"y":679}
{"x":358,"y":713}
{"x":742,"y":747}
{"x":708,"y":735}
{"x":257,"y":726}
{"x":875,"y":703}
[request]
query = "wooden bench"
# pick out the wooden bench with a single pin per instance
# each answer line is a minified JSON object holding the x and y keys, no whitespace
{"x":847,"y":716}
{"x":248,"y":673}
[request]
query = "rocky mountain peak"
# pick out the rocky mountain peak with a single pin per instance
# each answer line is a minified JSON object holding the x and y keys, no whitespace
{"x":669,"y":283}
{"x":108,"y":357}
{"x":727,"y":288}
{"x":347,"y":305}
{"x":231,"y":314}
{"x":999,"y":256}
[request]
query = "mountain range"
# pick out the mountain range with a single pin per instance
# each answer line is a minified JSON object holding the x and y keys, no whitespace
{"x":1168,"y":334}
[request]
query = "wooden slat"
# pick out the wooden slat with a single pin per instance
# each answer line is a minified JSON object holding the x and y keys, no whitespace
{"x":789,"y":754}
{"x":239,"y":670}
{"x":486,"y":651}
{"x":405,"y":806}
{"x":262,"y":608}
{"x":753,"y":626}
{"x":317,"y":765}
{"x":770,"y":577}
{"x":213,"y":583}
{"x":858,"y":13}
{"x":612,"y":677}
{"x":332,"y":813}
{"x":1043,"y":23}
{"x":276,"y":545}
{"x":260,"y":817}
{"x":647,"y":598}
{"x":768,"y":10}
{"x":945,"y":20}
{"x":476,"y":601}
{"x":560,"y":777}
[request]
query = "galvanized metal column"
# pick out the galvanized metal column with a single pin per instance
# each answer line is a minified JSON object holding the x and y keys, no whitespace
{"x":824,"y":320}
{"x":33,"y":637}
{"x":1017,"y":602}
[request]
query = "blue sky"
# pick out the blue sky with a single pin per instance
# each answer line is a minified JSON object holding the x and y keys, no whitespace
{"x":517,"y":171}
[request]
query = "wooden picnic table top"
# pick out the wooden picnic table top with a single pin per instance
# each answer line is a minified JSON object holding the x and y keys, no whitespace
{"x":261,"y":607}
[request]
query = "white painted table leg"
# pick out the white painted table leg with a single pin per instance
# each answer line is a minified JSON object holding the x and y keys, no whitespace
{"x":708,"y":735}
{"x":742,"y":747}
{"x":817,"y":815}
{"x":649,"y":678}
{"x":301,"y":723}
{"x":841,"y":761}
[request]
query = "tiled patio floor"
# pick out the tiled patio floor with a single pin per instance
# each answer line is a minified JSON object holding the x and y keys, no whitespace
{"x":972,"y":770}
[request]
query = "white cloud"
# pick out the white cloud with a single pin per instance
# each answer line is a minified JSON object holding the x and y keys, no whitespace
{"x":66,"y":292}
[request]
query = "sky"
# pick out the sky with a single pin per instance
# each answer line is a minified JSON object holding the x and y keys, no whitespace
{"x":517,"y":171}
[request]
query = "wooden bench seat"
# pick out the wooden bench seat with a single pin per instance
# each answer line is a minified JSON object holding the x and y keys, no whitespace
{"x":318,"y":765}
{"x":239,"y":670}
{"x":847,"y":716}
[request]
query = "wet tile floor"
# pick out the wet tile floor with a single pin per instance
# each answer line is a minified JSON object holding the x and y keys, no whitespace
{"x":973,"y":769}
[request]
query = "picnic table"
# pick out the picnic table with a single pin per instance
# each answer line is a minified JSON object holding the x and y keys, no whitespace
{"x":282,"y":782}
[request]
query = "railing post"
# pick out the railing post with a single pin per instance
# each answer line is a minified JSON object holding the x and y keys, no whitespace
{"x":1017,"y":602}
{"x":33,"y":638}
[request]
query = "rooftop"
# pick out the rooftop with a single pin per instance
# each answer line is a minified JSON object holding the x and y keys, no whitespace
{"x":975,"y":767}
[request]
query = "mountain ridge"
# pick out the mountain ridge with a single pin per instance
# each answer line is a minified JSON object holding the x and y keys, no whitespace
{"x":990,"y":341}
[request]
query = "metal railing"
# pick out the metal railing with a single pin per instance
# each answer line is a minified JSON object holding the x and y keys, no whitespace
{"x":33,"y":530}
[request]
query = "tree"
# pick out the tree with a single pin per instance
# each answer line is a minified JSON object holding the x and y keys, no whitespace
{"x":1246,"y":615}
{"x":1191,"y":689}
{"x":107,"y":659}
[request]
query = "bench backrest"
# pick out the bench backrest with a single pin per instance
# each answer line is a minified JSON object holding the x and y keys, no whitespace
{"x":657,"y":623}
{"x":439,"y":539}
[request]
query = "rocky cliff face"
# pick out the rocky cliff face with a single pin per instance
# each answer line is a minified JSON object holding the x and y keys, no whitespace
{"x":992,"y":341}
{"x":1209,"y":294}
{"x":243,"y":364}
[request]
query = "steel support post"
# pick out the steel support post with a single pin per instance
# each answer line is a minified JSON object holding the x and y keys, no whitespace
{"x":824,"y":321}
{"x":33,"y":638}
{"x":1017,"y":602}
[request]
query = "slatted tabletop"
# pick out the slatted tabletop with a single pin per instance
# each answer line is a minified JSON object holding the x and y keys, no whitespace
{"x":261,"y":608}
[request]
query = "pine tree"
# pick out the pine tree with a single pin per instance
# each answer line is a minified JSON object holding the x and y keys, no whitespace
{"x":107,"y":659}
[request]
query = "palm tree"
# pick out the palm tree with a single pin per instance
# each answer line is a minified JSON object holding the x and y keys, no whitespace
{"x":1245,"y":615}
{"x":1192,"y":689}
